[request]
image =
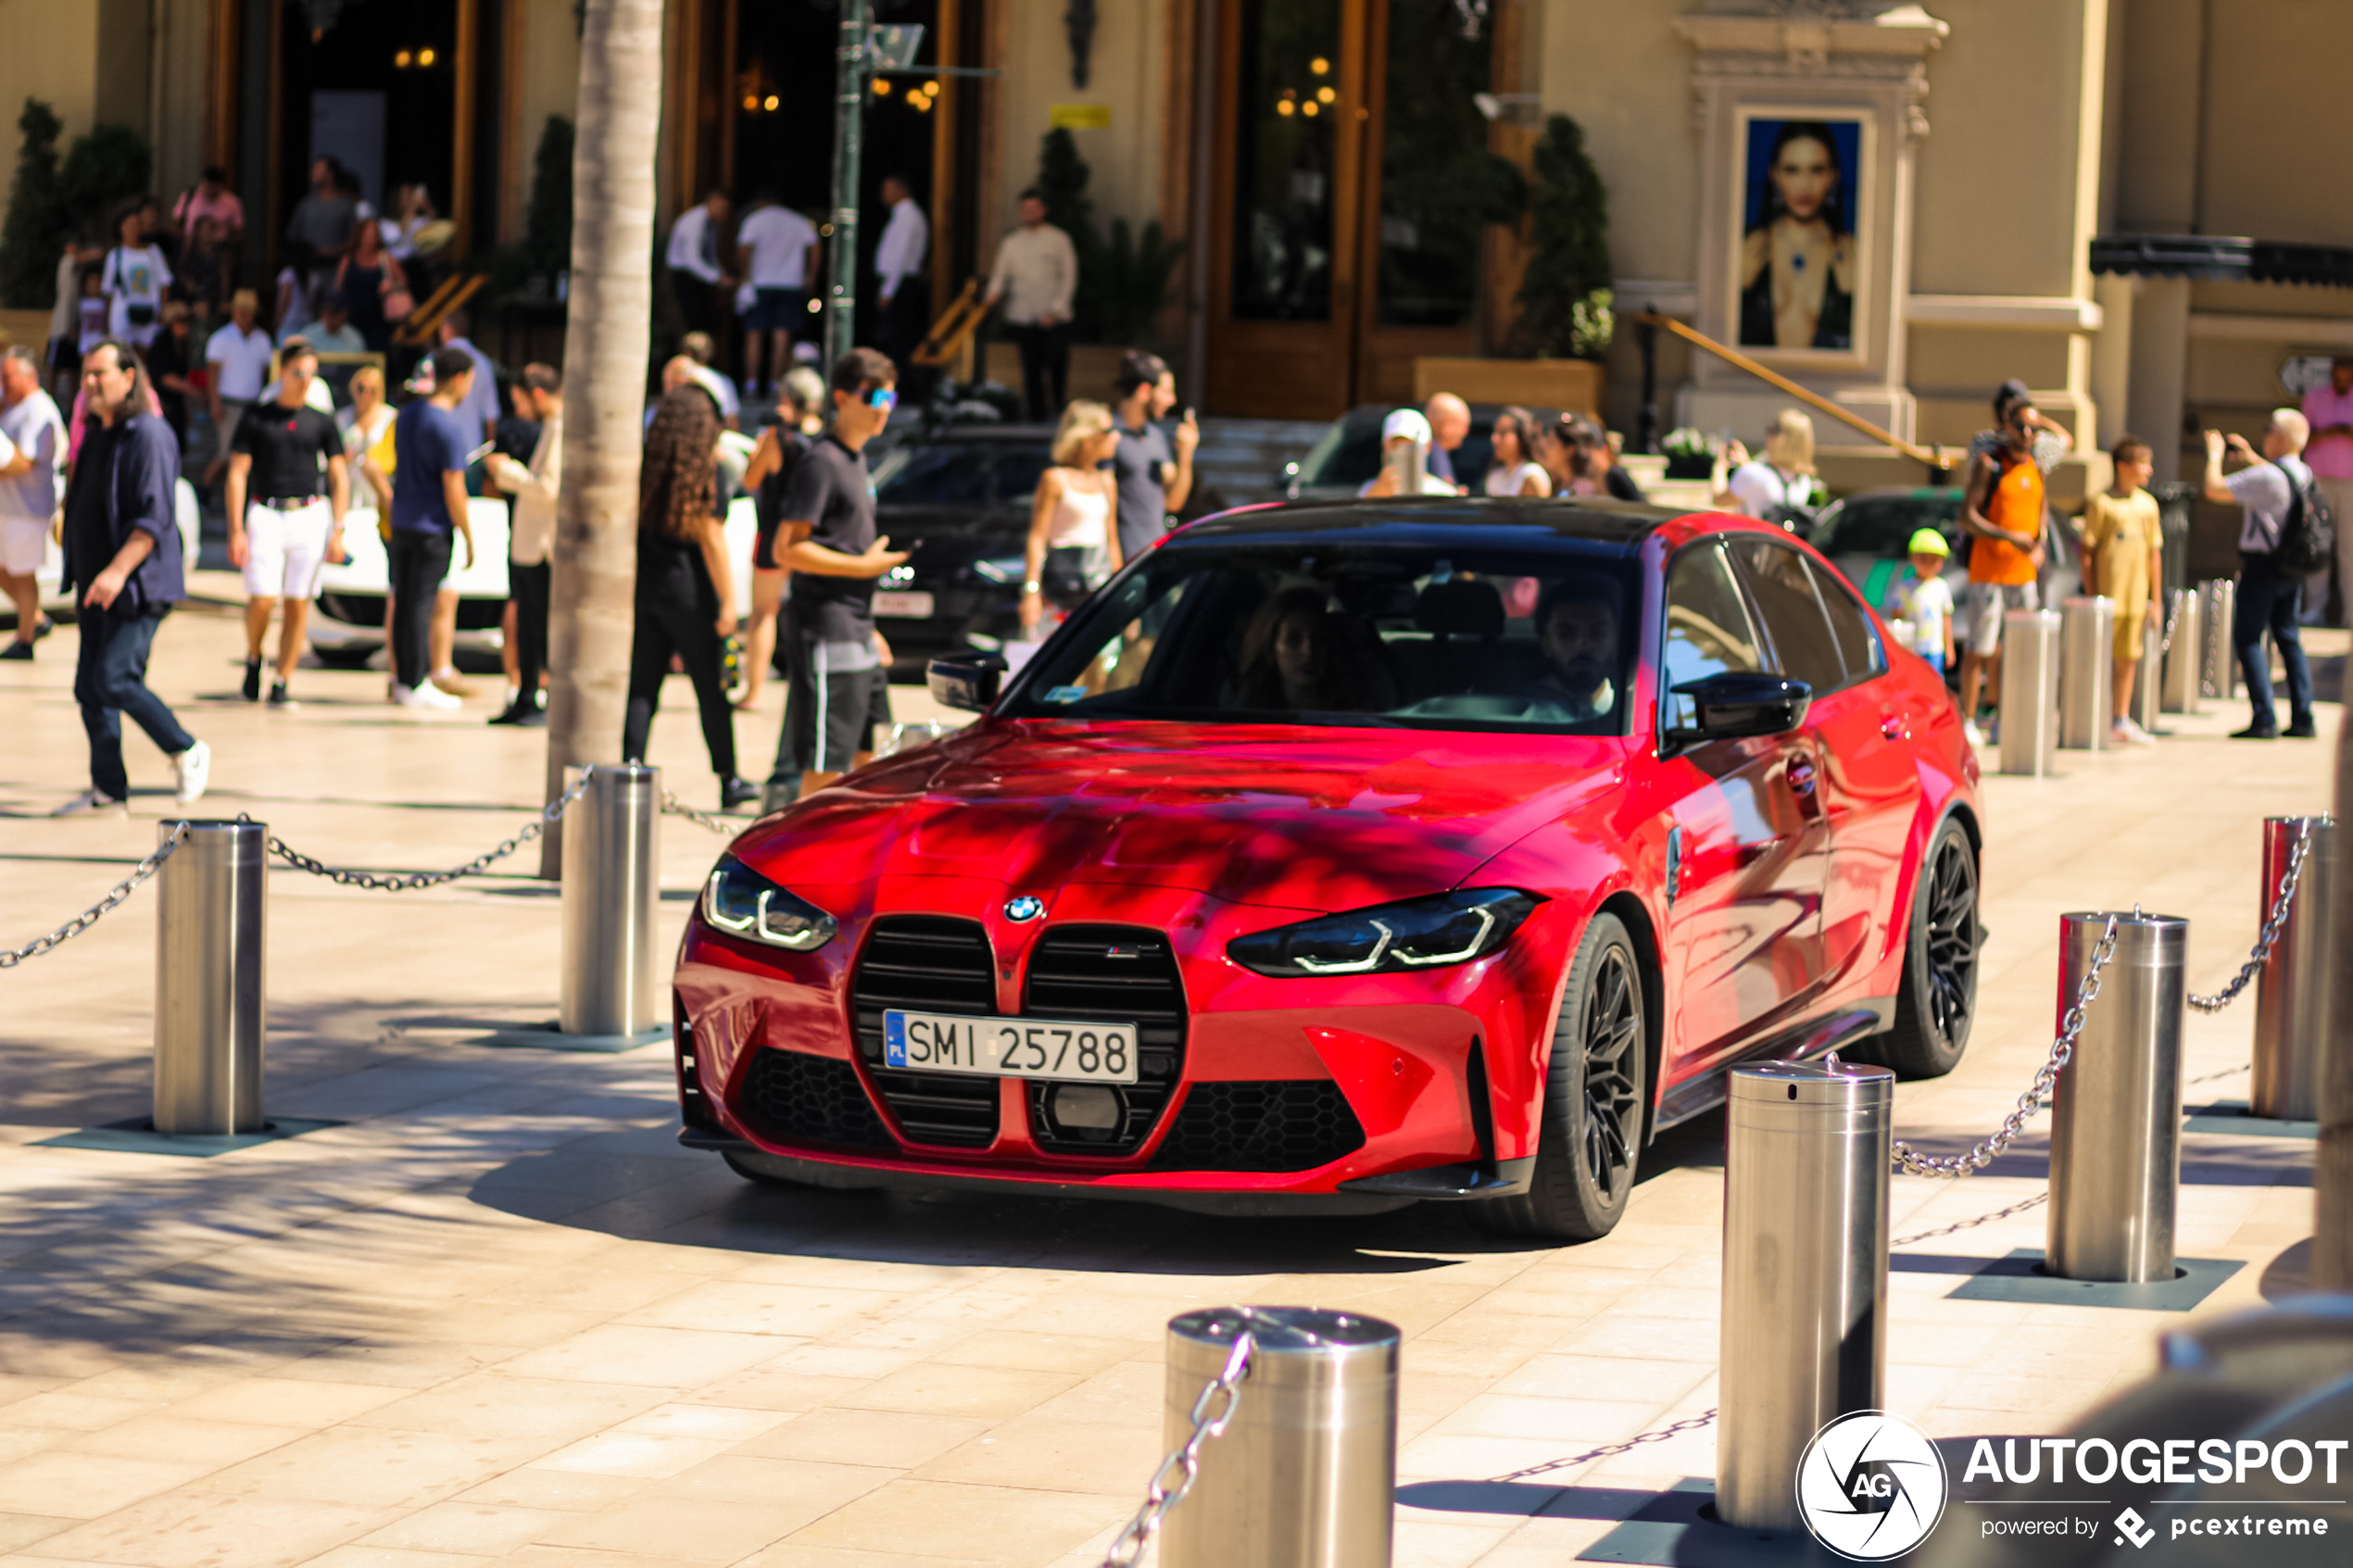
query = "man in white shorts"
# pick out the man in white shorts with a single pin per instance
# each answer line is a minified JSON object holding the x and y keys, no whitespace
{"x":32,"y":453}
{"x":288,"y":487}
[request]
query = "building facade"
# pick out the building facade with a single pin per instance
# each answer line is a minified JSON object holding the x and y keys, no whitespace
{"x":2133,"y":204}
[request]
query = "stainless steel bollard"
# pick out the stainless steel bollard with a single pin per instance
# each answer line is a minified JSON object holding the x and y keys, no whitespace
{"x":2293,"y":1015}
{"x":2115,"y":1115}
{"x":609,"y":883}
{"x":210,"y":1022}
{"x":2219,"y":673}
{"x":1305,"y":1474}
{"x":2186,"y":656}
{"x":2087,"y":672}
{"x":1804,"y":1295}
{"x":2030,"y":692}
{"x":2147,"y":675}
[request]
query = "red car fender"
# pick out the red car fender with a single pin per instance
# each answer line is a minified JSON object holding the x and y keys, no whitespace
{"x":1580,"y":876}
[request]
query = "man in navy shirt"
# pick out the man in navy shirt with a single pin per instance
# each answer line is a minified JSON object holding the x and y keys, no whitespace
{"x":122,"y":557}
{"x":431,"y":445}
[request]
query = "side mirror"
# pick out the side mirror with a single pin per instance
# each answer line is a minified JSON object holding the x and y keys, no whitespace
{"x":1737,"y":703}
{"x":968,"y":681}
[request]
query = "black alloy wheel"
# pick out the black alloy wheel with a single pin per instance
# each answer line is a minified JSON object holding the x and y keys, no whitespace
{"x":1589,"y":1140}
{"x":1938,"y":1001}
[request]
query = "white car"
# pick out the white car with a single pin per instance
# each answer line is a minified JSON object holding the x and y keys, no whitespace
{"x":347,"y":627}
{"x":52,"y":575}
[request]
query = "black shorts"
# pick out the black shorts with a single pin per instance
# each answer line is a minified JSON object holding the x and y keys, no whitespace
{"x":763,"y":547}
{"x":830,"y":716}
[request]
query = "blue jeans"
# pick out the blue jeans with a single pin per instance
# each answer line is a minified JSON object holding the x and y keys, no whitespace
{"x":2267,"y":602}
{"x":109,"y":680}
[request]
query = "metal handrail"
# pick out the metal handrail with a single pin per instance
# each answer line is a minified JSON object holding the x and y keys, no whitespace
{"x":1936,"y":457}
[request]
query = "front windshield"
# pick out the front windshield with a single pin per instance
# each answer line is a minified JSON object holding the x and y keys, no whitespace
{"x":1420,"y":635}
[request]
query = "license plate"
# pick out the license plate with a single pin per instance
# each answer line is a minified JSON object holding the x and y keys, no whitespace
{"x":1009,"y":1048}
{"x":903,"y":604}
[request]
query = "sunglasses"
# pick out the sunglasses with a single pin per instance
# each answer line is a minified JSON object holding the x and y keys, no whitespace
{"x":881,"y":397}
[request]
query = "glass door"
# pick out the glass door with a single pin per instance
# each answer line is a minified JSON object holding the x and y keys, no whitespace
{"x":1283,"y":302}
{"x":1348,"y":238}
{"x":1424,"y":241}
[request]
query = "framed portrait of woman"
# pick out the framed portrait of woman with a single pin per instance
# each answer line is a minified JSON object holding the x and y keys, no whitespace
{"x":1799,"y":271}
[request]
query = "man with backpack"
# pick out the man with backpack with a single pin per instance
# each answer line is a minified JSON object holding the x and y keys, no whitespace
{"x":2288,"y":534}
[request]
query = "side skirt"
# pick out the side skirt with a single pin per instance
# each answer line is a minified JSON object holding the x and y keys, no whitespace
{"x":1819,"y":1037}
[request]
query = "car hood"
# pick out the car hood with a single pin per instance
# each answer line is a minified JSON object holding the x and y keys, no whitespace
{"x":1282,"y":816}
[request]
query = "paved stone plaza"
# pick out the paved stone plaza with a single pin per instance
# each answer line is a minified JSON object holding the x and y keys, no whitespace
{"x":496,"y":1315}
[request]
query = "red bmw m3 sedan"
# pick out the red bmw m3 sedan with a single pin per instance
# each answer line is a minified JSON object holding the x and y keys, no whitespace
{"x":1333,"y":857}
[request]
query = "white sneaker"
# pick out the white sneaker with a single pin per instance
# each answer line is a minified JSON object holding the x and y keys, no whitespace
{"x":2130,"y":733}
{"x":1970,"y":732}
{"x":191,"y":767}
{"x":91,"y":802}
{"x":428,"y":698}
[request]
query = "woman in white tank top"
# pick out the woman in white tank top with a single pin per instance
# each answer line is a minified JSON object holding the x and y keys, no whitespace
{"x":1074,"y":522}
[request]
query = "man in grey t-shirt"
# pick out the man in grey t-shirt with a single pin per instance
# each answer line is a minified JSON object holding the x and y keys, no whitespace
{"x":34,"y":452}
{"x":1155,"y":481}
{"x":2267,"y":593}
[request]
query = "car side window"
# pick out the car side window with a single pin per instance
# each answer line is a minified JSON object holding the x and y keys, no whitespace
{"x":1804,"y":649}
{"x":1707,"y":629}
{"x":1859,"y":644}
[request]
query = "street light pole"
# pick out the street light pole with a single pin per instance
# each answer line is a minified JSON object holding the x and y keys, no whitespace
{"x":850,"y":123}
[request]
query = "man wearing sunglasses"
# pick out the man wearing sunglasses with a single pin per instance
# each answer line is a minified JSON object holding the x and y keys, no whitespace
{"x":837,"y":667}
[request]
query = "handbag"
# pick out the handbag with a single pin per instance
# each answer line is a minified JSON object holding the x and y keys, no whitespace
{"x":399,"y":304}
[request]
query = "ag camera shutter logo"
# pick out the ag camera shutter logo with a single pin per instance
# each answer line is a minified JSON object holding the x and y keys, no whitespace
{"x":1870,"y":1486}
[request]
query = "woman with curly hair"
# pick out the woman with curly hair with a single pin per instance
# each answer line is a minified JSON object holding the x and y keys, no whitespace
{"x":685,"y":594}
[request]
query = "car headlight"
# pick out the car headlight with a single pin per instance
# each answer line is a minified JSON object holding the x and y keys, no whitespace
{"x":1417,"y":934}
{"x":741,"y":902}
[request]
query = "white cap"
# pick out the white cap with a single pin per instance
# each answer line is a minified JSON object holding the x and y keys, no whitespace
{"x":1407,"y":422}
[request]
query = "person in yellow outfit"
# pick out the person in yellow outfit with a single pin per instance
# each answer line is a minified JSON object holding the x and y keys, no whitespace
{"x":2123,"y":543}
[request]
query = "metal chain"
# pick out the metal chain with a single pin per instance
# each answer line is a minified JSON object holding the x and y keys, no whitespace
{"x":90,"y":917}
{"x":677,"y":808}
{"x":1609,"y":1450}
{"x":2273,"y":923}
{"x":1225,"y":1391}
{"x":2165,"y":643}
{"x":1912,"y":1163}
{"x":402,"y":883}
{"x":2226,"y":1072}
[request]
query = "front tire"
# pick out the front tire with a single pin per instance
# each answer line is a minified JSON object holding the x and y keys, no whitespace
{"x":1588,"y":1132}
{"x":1938,"y":1000}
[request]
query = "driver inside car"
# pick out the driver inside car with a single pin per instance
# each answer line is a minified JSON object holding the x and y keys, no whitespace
{"x":1577,"y":627}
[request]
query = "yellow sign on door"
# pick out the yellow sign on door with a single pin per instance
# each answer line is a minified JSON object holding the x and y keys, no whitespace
{"x":1079,"y":116}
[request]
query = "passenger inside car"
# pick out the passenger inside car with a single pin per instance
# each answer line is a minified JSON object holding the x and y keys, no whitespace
{"x":1297,"y":656}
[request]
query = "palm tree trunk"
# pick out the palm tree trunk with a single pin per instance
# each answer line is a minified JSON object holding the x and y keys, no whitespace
{"x":606,"y":338}
{"x":2331,"y":1266}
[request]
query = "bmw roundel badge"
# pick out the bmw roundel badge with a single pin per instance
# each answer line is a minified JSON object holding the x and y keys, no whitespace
{"x":1024,"y":908}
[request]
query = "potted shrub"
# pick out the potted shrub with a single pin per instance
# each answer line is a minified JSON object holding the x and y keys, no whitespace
{"x":1690,"y":455}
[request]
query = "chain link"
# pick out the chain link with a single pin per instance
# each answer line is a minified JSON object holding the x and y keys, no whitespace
{"x":402,"y":883}
{"x":2172,"y":620}
{"x":1912,"y":1163}
{"x":1958,"y":1225}
{"x":9,"y":959}
{"x":677,"y":808}
{"x":2273,"y":923}
{"x":1224,"y":1392}
{"x":1610,"y":1451}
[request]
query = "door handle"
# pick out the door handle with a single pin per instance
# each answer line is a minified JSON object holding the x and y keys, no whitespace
{"x":1801,"y":775}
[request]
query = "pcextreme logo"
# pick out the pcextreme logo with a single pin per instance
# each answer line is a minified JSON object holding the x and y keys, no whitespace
{"x":1870,"y":1486}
